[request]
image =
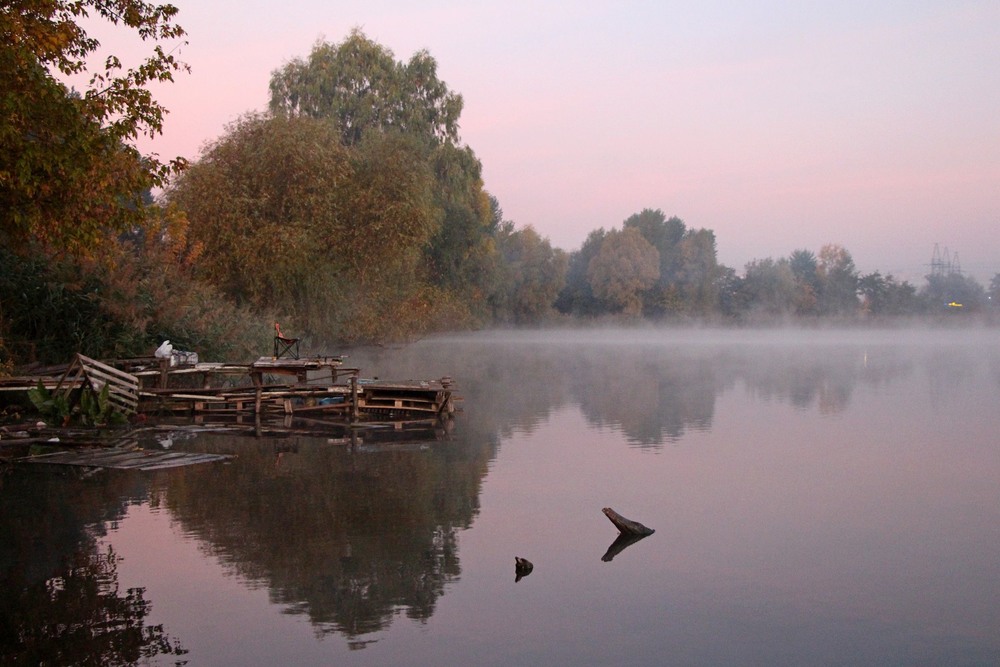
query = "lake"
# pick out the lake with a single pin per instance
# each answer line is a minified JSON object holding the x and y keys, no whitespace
{"x":820,"y":497}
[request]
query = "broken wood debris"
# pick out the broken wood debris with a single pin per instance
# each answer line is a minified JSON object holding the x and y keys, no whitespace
{"x":125,"y":459}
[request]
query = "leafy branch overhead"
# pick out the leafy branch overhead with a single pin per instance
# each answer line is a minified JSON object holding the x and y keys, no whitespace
{"x":68,"y":168}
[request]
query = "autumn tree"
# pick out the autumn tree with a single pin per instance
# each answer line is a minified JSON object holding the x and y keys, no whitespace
{"x":533,"y":275}
{"x":625,"y":265}
{"x":69,"y":169}
{"x":290,"y":218}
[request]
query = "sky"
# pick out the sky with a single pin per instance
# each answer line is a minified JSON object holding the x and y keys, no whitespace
{"x":871,"y":124}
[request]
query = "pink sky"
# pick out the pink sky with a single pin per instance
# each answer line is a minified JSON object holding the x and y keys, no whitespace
{"x":779,"y":125}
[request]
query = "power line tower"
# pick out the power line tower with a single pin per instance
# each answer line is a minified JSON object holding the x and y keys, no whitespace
{"x":943,"y":263}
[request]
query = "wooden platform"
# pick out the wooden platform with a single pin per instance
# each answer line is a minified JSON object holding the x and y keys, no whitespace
{"x":315,"y":387}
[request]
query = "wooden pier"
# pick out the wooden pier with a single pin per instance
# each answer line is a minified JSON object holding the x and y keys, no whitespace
{"x":319,"y":387}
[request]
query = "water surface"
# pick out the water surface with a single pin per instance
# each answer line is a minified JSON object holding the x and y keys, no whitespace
{"x":820,"y":497}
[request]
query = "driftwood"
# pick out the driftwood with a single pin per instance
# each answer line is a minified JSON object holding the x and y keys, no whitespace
{"x":626,"y":526}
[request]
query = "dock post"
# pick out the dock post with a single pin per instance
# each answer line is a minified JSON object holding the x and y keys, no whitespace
{"x":354,"y":396}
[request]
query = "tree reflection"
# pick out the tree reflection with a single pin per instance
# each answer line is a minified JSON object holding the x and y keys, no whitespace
{"x":345,"y":537}
{"x":61,"y":602}
{"x":79,"y":617}
{"x":653,"y":386}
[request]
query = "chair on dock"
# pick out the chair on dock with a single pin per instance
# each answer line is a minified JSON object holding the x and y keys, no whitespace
{"x":284,"y":345}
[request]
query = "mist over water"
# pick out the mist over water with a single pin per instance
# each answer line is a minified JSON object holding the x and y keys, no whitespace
{"x":819,"y":497}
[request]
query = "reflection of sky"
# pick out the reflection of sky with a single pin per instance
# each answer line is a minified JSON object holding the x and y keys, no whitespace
{"x":869,"y":535}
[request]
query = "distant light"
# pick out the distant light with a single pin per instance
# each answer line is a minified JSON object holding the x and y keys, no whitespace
{"x":954,"y":304}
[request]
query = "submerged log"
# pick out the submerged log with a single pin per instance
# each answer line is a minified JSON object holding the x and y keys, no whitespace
{"x":626,"y":526}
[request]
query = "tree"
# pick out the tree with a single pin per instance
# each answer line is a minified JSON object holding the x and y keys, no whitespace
{"x":952,"y":292}
{"x":664,"y":235}
{"x":578,"y":296}
{"x":838,"y":281}
{"x":359,"y":85}
{"x":883,"y":295}
{"x":625,"y":265}
{"x":769,"y":287}
{"x":534,"y":274}
{"x":698,"y":272}
{"x":359,"y":88}
{"x":462,"y":250}
{"x":68,"y":166}
{"x":805,"y":269}
{"x":291,"y":219}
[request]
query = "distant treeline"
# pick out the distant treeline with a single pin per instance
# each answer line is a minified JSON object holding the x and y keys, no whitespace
{"x":350,"y":211}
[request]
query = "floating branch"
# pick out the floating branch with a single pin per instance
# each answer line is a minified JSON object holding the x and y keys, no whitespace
{"x":626,"y":526}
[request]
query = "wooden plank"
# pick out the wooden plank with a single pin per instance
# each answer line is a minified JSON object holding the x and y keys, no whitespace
{"x":108,"y":370}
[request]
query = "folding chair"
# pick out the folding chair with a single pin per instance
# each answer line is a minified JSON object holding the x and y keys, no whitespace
{"x":284,"y":345}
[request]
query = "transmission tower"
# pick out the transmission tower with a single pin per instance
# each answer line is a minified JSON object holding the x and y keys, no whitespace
{"x":943,"y":263}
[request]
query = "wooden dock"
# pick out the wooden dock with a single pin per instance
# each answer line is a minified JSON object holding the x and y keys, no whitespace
{"x":319,"y":386}
{"x":312,"y":387}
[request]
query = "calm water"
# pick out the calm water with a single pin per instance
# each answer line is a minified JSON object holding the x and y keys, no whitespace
{"x":820,"y":498}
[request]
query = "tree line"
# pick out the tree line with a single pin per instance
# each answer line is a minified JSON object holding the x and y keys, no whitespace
{"x":350,"y":210}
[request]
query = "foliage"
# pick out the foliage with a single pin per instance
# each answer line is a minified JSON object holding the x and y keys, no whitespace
{"x":769,"y":287}
{"x":943,"y":290}
{"x":93,"y":408}
{"x":68,"y":169}
{"x":534,"y":274}
{"x":350,"y":206}
{"x":54,"y":408}
{"x":121,"y":302}
{"x":883,"y":295}
{"x":838,"y":281}
{"x":688,"y":269}
{"x":360,"y":87}
{"x":289,"y":219}
{"x":577,"y":296}
{"x":461,"y":255}
{"x":625,"y":265}
{"x":805,"y":269}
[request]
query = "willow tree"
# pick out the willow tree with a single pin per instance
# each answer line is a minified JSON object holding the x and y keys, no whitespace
{"x":361,"y":87}
{"x":363,"y":92}
{"x":69,"y":168}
